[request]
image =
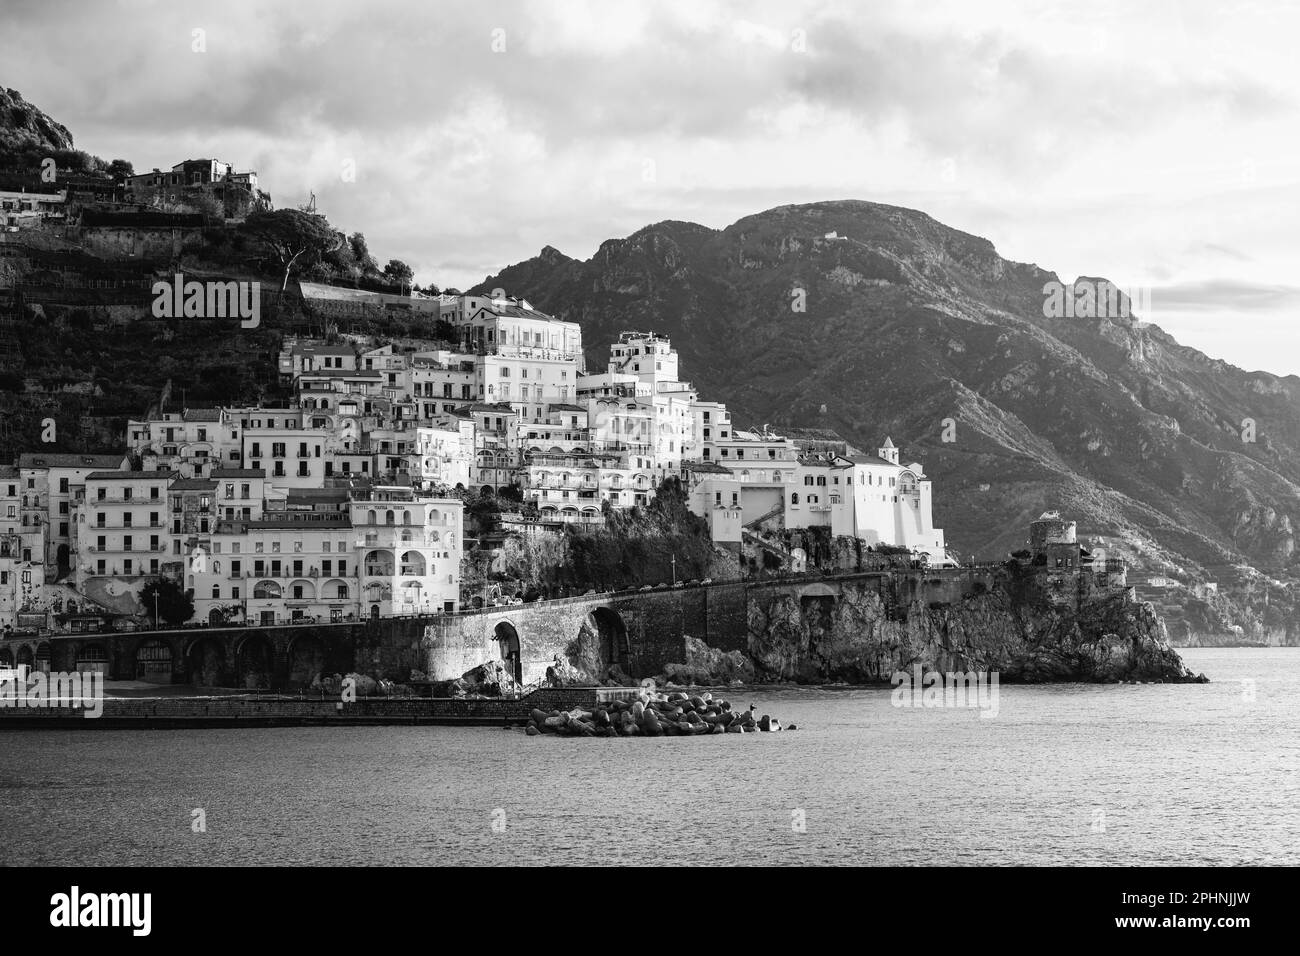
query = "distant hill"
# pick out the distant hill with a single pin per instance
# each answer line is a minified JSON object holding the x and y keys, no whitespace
{"x":909,"y":323}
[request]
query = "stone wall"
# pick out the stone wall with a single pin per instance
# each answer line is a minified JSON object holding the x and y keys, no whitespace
{"x":855,"y":627}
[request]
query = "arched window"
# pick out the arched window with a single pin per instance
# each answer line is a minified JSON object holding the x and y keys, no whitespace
{"x":389,"y":517}
{"x":794,"y":498}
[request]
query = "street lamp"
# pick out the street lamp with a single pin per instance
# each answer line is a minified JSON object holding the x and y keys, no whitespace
{"x":674,"y":570}
{"x":156,"y":624}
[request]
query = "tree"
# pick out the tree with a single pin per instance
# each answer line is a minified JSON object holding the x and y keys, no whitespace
{"x":361,"y":253}
{"x":120,"y":169}
{"x":399,"y":272}
{"x":292,"y":235}
{"x":203,"y":203}
{"x":175,"y":606}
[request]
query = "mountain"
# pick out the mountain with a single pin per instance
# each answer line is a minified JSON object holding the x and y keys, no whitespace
{"x":921,"y":332}
{"x":24,"y":126}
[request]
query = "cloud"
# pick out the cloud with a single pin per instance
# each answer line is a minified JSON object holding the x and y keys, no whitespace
{"x":1091,"y":138}
{"x":1226,"y":296}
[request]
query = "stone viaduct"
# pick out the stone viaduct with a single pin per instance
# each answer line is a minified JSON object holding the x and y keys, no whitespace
{"x":639,"y":631}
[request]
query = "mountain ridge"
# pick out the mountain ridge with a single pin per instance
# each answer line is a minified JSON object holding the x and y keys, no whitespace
{"x":908,"y":323}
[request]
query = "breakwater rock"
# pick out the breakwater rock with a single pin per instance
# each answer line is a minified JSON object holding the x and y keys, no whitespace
{"x":651,"y":714}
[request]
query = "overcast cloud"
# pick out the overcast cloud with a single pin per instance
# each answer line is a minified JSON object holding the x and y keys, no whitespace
{"x":1154,"y":143}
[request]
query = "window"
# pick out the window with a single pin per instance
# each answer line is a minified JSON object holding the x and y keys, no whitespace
{"x":794,"y":499}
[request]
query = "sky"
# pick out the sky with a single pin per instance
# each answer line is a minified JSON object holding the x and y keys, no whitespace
{"x":1156,"y":144}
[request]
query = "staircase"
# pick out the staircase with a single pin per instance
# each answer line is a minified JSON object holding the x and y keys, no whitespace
{"x":754,"y":539}
{"x":778,"y":510}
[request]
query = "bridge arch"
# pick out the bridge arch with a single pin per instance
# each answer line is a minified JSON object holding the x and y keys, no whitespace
{"x":507,"y":638}
{"x":602,"y":641}
{"x":254,"y":659}
{"x":205,"y":662}
{"x":153,"y":661}
{"x":306,"y":660}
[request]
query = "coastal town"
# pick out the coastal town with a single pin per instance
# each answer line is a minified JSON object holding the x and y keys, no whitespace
{"x":346,"y":502}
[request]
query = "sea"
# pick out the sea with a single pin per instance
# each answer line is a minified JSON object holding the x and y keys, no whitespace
{"x":1148,"y":774}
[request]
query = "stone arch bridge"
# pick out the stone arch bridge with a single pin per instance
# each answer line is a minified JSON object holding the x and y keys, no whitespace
{"x":639,"y":631}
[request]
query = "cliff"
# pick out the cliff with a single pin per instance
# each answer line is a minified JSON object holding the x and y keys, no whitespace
{"x":863,"y":637}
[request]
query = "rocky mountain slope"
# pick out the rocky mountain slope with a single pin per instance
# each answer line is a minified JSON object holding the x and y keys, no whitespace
{"x":903,"y":326}
{"x":24,"y":126}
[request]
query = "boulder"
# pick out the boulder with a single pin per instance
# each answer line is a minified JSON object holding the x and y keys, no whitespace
{"x":531,"y":730}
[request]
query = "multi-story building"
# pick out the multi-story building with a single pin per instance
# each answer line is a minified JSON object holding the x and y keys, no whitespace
{"x":292,"y":456}
{"x":19,"y":209}
{"x":22,"y":583}
{"x":279,"y":567}
{"x":442,"y":381}
{"x":312,"y":357}
{"x":189,"y":443}
{"x":121,"y":525}
{"x":511,"y":328}
{"x":47,"y":481}
{"x":871,"y":497}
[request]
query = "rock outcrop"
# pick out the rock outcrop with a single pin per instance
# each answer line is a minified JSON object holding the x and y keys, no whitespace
{"x":862,"y":638}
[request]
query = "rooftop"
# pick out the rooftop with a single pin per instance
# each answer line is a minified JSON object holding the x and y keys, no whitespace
{"x":194,"y":484}
{"x":130,"y":476}
{"x":59,"y":460}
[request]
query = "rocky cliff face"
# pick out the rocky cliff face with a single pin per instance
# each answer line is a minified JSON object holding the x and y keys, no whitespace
{"x":861,"y":639}
{"x":903,"y":323}
{"x":23,"y":125}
